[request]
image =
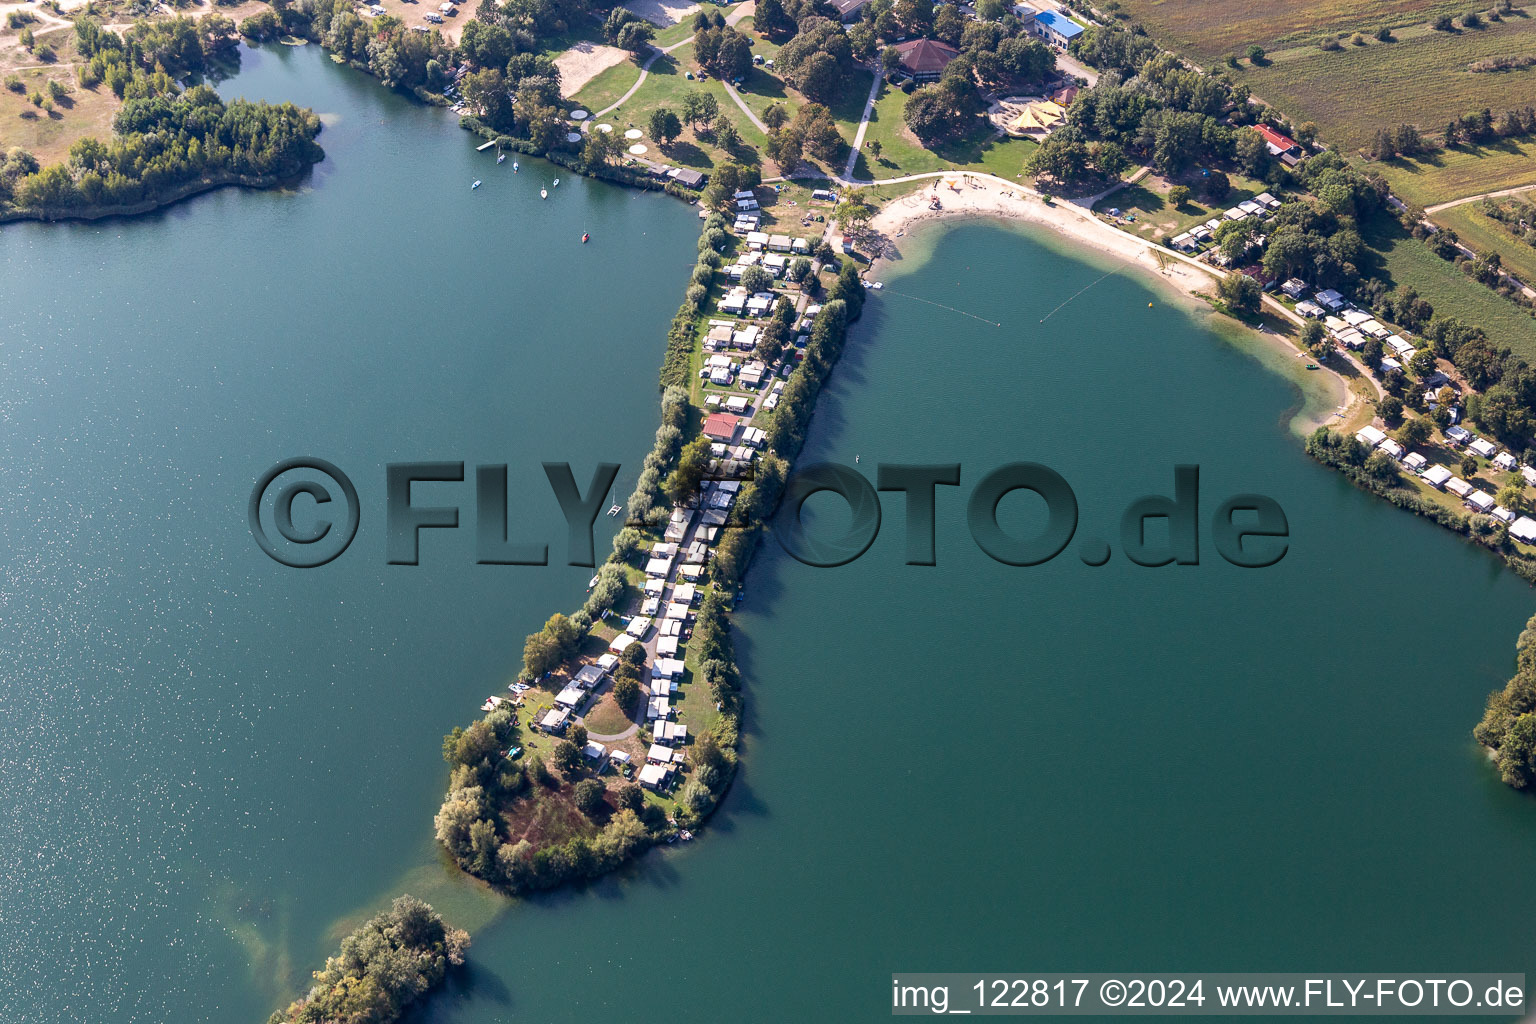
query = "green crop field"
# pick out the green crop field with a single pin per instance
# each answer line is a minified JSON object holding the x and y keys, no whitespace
{"x":1464,"y":171}
{"x":1406,"y":261}
{"x":1485,"y":234}
{"x":1422,"y":79}
{"x":1214,"y":28}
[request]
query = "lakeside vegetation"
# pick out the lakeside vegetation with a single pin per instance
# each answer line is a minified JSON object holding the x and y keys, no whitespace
{"x":167,"y":142}
{"x":525,"y":810}
{"x":1508,"y":728}
{"x":383,"y":968}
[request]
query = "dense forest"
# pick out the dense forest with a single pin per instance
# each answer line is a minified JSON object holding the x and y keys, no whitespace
{"x":382,"y":969}
{"x":164,"y":139}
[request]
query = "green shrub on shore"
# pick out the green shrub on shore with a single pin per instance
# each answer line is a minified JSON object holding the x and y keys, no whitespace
{"x":383,"y":968}
{"x":1508,"y":728}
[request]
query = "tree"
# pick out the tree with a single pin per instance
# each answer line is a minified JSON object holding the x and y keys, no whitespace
{"x":820,"y":78}
{"x":1413,"y":432}
{"x":991,"y":10}
{"x":566,"y":757}
{"x":725,"y":131}
{"x":1255,"y":53}
{"x":699,"y":107}
{"x":1441,"y":23}
{"x":635,"y":36}
{"x":664,"y":126}
{"x":633,"y":655}
{"x":1381,"y":467}
{"x":755,"y":279}
{"x":1240,"y":292}
{"x":1313,"y":335}
{"x":588,"y":796}
{"x":776,"y":116}
{"x":854,"y":211}
{"x":1468,"y":466}
{"x":799,"y":269}
{"x":1390,"y":407}
{"x":692,"y":463}
{"x":1217,"y":185}
{"x":1178,"y":195}
{"x":1512,"y":495}
{"x":625,"y":692}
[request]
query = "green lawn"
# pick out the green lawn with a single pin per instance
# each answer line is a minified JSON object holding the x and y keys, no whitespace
{"x":665,"y":86}
{"x":1423,"y":78}
{"x":1464,"y":171}
{"x":1405,"y":260}
{"x":608,"y":85}
{"x":1156,"y":219}
{"x":1485,"y":234}
{"x":901,"y":154}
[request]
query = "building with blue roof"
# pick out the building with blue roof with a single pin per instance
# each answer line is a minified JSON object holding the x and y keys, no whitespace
{"x":1056,"y":28}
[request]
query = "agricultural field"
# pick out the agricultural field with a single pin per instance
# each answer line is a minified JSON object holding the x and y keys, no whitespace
{"x":1212,"y":29}
{"x":1403,"y":260}
{"x":1448,"y":174}
{"x":1485,"y":234}
{"x":1354,"y":92}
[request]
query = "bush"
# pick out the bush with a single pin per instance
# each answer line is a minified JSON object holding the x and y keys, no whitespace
{"x":1255,"y":53}
{"x":1471,"y":20}
{"x":1384,"y":34}
{"x":1442,"y":23}
{"x":1330,"y":44}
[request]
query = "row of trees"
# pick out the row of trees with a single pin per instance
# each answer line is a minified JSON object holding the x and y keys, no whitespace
{"x":383,"y":967}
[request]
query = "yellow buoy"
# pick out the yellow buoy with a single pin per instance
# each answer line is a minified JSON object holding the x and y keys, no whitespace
{"x":1149,"y":305}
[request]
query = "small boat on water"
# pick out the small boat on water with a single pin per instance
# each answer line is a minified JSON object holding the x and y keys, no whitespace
{"x":514,"y":166}
{"x":557,"y":183}
{"x":474,"y":186}
{"x":584,"y":237}
{"x":500,"y":157}
{"x":543,"y":193}
{"x":591,"y":582}
{"x":615,"y":510}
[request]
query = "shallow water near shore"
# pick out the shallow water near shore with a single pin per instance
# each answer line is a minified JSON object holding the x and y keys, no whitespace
{"x":213,"y":765}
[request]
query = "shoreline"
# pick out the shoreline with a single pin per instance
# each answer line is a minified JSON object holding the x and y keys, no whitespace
{"x":179,"y":194}
{"x":985,"y":197}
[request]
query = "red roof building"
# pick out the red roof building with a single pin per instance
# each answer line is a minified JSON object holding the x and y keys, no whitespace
{"x":1277,"y":143}
{"x":721,"y":427}
{"x":926,"y":59}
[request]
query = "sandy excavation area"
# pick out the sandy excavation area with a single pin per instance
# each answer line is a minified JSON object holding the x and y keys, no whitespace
{"x":584,"y":62}
{"x":662,"y":13}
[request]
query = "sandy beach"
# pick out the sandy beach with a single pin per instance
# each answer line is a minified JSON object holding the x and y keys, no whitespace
{"x":962,"y":195}
{"x":981,"y":196}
